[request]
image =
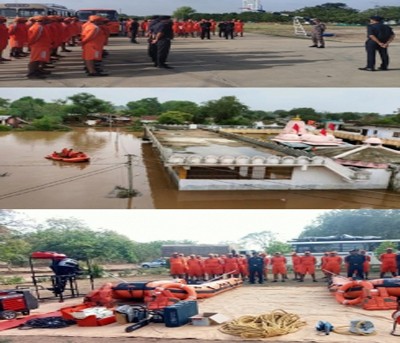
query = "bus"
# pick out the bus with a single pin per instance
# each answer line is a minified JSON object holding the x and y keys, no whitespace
{"x":341,"y":244}
{"x":12,"y":10}
{"x":111,"y":15}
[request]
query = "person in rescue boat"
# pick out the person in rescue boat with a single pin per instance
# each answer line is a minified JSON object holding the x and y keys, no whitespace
{"x":256,"y":268}
{"x":307,"y":263}
{"x":355,"y":264}
{"x":389,"y":264}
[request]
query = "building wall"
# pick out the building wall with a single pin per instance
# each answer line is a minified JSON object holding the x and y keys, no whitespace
{"x":312,"y":178}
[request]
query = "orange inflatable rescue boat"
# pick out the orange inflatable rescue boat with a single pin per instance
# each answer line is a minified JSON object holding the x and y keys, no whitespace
{"x":377,"y":294}
{"x":68,"y":155}
{"x":178,"y":288}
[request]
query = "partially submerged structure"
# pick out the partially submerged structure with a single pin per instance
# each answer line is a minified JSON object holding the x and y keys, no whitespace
{"x":201,"y":159}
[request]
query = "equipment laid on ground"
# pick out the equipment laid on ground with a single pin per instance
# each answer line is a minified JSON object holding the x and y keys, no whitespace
{"x":325,"y":327}
{"x":178,"y":288}
{"x":377,"y":294}
{"x":14,"y":301}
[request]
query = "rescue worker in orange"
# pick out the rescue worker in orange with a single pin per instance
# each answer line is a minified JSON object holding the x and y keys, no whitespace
{"x":367,"y":263}
{"x":39,"y":42}
{"x":296,"y":265}
{"x":195,"y":272}
{"x":323,"y":264}
{"x":278,"y":262}
{"x":388,"y":261}
{"x":92,"y":41}
{"x":18,"y":33}
{"x":308,"y":263}
{"x":239,"y":28}
{"x":231,"y":266}
{"x":266,"y":264}
{"x":177,"y":266}
{"x":212,"y":266}
{"x":243,"y":266}
{"x":3,"y":38}
{"x":333,"y":263}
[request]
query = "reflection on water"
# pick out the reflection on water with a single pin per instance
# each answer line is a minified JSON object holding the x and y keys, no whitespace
{"x":31,"y":181}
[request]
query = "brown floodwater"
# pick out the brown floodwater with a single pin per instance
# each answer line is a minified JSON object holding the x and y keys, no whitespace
{"x":29,"y":181}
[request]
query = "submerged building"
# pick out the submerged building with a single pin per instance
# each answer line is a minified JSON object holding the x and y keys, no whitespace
{"x":203,"y":159}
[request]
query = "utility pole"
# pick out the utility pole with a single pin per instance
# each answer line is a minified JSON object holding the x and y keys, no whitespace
{"x":130,"y":174}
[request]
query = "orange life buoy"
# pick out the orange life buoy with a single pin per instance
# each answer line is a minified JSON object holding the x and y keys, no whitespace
{"x":190,"y":292}
{"x":339,"y":295}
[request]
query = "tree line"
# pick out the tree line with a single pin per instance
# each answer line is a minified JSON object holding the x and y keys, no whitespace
{"x":228,"y":110}
{"x":328,"y":12}
{"x":19,"y":236}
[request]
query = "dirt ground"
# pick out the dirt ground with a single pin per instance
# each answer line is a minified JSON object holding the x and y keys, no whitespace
{"x":84,"y":287}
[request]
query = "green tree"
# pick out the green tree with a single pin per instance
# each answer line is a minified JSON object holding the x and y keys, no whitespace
{"x":364,"y":222}
{"x":144,"y":107}
{"x":277,"y":246}
{"x":260,"y":240}
{"x":180,"y":106}
{"x":85,"y":103}
{"x":27,"y":108}
{"x":184,"y":12}
{"x":382,"y":248}
{"x":225,"y":110}
{"x":174,"y":117}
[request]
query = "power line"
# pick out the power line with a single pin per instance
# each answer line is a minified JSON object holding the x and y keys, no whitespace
{"x":57,"y":182}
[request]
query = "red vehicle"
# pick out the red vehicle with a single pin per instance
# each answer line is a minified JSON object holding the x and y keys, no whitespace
{"x":111,"y":15}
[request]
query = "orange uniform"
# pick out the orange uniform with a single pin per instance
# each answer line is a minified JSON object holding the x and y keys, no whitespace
{"x":278,"y":264}
{"x":92,"y":42}
{"x":39,"y":42}
{"x":296,"y":262}
{"x":389,"y":264}
{"x":177,"y":266}
{"x":333,"y":264}
{"x":195,"y":268}
{"x":3,"y":37}
{"x":231,"y":265}
{"x":18,"y":33}
{"x":367,"y":264}
{"x":307,"y":263}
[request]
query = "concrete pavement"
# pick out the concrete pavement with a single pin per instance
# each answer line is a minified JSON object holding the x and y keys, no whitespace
{"x":252,"y":61}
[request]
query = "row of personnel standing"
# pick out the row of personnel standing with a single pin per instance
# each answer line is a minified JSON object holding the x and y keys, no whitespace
{"x":45,"y":36}
{"x":258,"y":265}
{"x":188,"y":28}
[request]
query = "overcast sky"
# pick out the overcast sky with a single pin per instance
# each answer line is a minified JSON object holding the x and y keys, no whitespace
{"x":140,"y":8}
{"x":211,"y":226}
{"x":267,"y":99}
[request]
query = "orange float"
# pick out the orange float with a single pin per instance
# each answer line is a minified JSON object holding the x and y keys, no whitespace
{"x":340,"y":293}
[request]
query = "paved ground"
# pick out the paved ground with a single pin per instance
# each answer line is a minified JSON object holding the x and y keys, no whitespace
{"x":253,"y":61}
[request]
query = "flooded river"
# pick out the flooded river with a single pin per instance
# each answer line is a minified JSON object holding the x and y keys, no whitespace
{"x":29,"y":181}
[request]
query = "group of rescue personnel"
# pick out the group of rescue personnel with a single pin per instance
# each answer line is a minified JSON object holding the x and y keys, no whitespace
{"x":46,"y":36}
{"x":256,"y":266}
{"x":43,"y":37}
{"x":188,"y":28}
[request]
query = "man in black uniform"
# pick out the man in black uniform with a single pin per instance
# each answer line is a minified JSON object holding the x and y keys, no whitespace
{"x":221,"y":29}
{"x":256,"y":267}
{"x":152,"y":48}
{"x":134,"y":30}
{"x":355,"y":263}
{"x":163,"y":36}
{"x":205,"y":26}
{"x":379,"y":36}
{"x":229,"y":29}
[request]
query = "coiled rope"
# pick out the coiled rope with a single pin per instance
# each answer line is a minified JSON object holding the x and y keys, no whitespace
{"x":276,"y":323}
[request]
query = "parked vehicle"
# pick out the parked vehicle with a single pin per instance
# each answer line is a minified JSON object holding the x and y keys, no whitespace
{"x":154,"y":264}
